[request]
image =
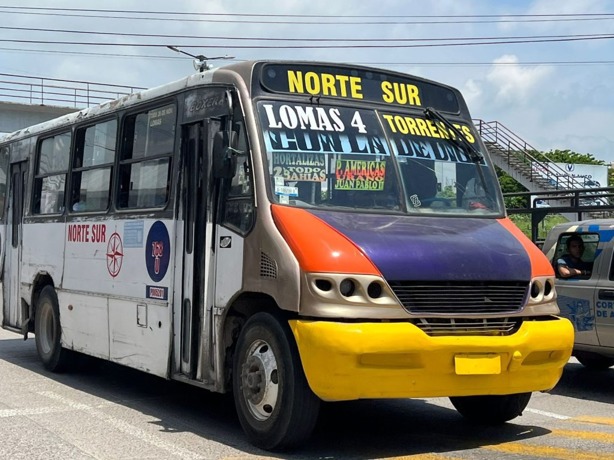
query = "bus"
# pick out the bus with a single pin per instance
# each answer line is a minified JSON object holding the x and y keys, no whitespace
{"x":293,"y":233}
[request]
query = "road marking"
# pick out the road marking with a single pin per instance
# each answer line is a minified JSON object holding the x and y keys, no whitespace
{"x":594,"y":420}
{"x":4,"y":413}
{"x":424,"y":457}
{"x":547,"y":414}
{"x":591,"y":435}
{"x":176,"y":452}
{"x":545,"y":451}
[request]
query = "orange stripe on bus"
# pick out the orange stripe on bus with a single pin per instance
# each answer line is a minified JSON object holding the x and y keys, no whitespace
{"x":540,"y":266}
{"x":317,"y":246}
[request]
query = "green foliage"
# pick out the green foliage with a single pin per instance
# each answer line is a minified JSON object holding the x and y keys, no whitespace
{"x":447,"y":192}
{"x":567,"y":156}
{"x":509,"y":185}
{"x":523,"y":222}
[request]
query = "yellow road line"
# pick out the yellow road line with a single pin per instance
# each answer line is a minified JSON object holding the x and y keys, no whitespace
{"x":546,"y":451}
{"x":591,"y":435}
{"x":403,"y":457}
{"x":594,"y":420}
{"x":424,"y":457}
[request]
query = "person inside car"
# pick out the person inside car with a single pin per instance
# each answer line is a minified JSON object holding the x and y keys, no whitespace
{"x":571,"y":265}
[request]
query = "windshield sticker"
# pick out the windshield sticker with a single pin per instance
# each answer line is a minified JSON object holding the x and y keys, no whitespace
{"x":428,"y":140}
{"x":360,"y":175}
{"x":405,"y":146}
{"x":286,"y":190}
{"x":312,"y":129}
{"x":425,"y":128}
{"x":299,"y":166}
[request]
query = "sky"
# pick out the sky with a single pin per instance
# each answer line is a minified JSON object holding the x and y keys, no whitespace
{"x":555,"y":92}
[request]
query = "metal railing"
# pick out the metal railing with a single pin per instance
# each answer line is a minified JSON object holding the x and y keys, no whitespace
{"x":583,"y":203}
{"x":518,"y":152}
{"x":54,"y":91}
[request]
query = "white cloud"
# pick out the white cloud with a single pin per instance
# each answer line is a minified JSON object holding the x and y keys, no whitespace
{"x":513,"y":83}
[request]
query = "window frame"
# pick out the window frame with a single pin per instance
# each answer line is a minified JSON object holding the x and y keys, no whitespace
{"x":126,"y":144}
{"x":247,"y":194}
{"x":591,"y":243}
{"x":103,"y":166}
{"x":38,"y":178}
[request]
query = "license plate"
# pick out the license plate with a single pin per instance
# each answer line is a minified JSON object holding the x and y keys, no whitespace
{"x":477,"y":364}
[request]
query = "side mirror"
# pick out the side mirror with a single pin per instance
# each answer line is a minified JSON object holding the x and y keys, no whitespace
{"x":224,"y":161}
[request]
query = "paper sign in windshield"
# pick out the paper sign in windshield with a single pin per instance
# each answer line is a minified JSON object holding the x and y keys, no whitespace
{"x":360,"y":175}
{"x":294,"y":166}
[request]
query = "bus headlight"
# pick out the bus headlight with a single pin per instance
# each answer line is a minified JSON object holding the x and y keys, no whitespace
{"x":354,"y":289}
{"x":542,"y":296}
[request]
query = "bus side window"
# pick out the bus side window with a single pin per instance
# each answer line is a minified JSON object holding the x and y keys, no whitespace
{"x":238,"y":202}
{"x":50,"y":176}
{"x":92,"y":164}
{"x":145,"y":164}
{"x":4,"y":163}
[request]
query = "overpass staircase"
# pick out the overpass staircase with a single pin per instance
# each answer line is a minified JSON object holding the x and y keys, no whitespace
{"x":543,"y":179}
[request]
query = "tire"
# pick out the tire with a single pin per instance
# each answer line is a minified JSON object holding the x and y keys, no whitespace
{"x":48,"y":331}
{"x":276,"y":408}
{"x":594,"y":361}
{"x":491,"y":409}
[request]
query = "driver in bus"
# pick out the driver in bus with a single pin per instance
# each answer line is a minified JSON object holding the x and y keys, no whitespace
{"x":475,"y":196}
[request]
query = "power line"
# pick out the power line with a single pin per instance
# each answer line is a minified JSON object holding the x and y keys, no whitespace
{"x":84,"y":53}
{"x":295,"y":39}
{"x":322,"y":20}
{"x":489,"y":41}
{"x":370,"y":63}
{"x":304,"y":15}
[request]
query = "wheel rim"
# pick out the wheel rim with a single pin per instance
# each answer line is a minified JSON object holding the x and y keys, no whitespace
{"x":47,"y":330}
{"x":260,"y":380}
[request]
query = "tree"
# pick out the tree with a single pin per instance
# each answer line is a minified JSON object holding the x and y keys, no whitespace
{"x":509,"y":185}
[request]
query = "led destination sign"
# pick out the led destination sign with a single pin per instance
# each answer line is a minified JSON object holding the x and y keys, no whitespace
{"x":357,"y":84}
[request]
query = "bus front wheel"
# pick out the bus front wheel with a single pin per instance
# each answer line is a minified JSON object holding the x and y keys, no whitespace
{"x":491,"y":409}
{"x":48,"y":331}
{"x":274,"y":403}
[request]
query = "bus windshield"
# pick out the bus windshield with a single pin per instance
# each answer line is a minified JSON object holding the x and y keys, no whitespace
{"x":374,"y":160}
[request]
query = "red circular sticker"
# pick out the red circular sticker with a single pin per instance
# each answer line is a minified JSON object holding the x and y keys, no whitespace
{"x":115,"y":254}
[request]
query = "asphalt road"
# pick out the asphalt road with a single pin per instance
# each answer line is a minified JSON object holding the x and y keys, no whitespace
{"x":106,"y":411}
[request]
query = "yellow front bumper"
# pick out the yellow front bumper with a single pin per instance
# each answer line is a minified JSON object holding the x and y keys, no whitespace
{"x":344,"y":361}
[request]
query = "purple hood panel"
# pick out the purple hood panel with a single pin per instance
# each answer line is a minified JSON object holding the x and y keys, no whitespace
{"x":434,"y":248}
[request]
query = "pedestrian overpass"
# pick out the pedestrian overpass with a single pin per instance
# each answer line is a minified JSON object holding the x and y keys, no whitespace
{"x":15,"y":116}
{"x":28,"y":100}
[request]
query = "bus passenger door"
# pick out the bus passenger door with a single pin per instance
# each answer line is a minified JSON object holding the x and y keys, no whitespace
{"x":189,"y":312}
{"x":13,"y":312}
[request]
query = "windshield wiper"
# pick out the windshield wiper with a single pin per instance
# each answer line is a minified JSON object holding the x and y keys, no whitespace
{"x":460,"y":141}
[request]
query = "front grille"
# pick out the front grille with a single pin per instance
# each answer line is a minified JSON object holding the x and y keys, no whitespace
{"x":458,"y":298}
{"x":468,"y":326}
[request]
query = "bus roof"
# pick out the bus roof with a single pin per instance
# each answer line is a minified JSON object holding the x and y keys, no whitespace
{"x":244,"y":69}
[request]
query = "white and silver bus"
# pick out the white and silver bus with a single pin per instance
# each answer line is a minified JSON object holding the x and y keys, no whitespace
{"x":291,"y":232}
